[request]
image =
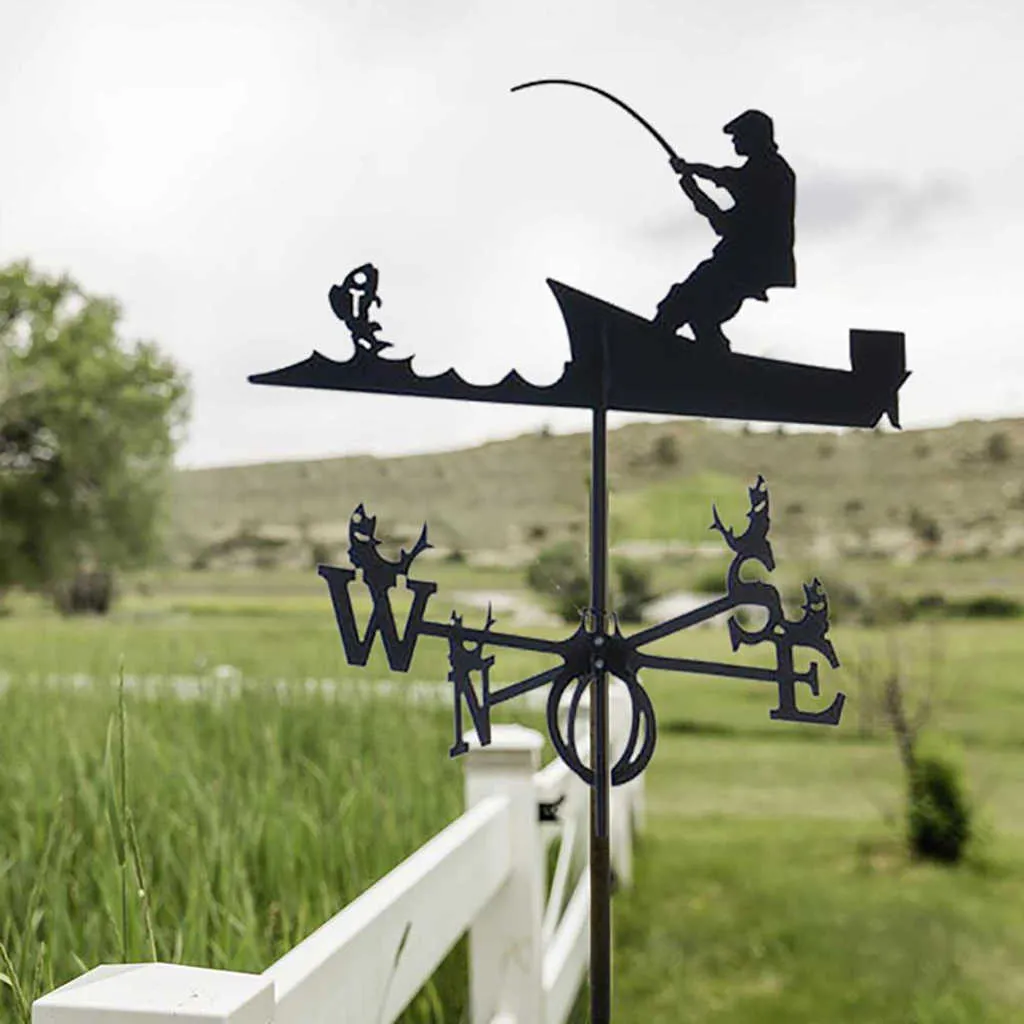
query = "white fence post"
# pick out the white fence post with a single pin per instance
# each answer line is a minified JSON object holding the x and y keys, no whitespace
{"x":505,"y":946}
{"x":147,"y":993}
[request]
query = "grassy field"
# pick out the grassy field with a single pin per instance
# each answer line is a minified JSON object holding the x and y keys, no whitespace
{"x":771,"y":881}
{"x":247,"y":823}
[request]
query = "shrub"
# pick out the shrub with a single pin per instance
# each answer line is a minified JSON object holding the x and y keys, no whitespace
{"x":86,"y":593}
{"x":845,"y":600}
{"x":930,"y":604}
{"x":536,"y":531}
{"x":665,"y":451}
{"x":997,"y":447}
{"x":992,"y":606}
{"x":925,"y":527}
{"x":320,"y":553}
{"x":560,"y":573}
{"x":633,"y":589}
{"x":938,"y":812}
{"x":710,"y":581}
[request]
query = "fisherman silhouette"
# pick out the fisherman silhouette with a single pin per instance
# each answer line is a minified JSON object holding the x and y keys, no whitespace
{"x":756,"y":248}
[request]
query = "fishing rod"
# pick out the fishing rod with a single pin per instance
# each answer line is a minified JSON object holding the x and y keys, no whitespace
{"x":608,"y":96}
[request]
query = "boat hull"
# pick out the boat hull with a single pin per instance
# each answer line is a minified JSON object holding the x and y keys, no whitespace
{"x":650,"y":370}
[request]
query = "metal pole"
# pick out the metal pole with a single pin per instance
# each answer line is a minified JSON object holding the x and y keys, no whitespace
{"x":600,"y":861}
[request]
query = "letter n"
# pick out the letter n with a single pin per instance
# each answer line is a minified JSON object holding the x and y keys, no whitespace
{"x":479,"y":708}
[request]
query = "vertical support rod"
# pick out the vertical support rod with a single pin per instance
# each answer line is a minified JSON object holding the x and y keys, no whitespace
{"x":600,"y":859}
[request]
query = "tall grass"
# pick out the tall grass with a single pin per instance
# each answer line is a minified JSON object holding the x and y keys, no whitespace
{"x":217,"y":832}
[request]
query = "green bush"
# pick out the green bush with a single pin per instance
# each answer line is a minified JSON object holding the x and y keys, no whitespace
{"x":320,"y":553}
{"x":560,"y":573}
{"x":992,"y":606}
{"x":998,"y":447}
{"x":925,"y":527}
{"x":665,"y":451}
{"x":633,"y":590}
{"x":935,"y":605}
{"x":939,"y":815}
{"x":84,"y":593}
{"x":710,"y":580}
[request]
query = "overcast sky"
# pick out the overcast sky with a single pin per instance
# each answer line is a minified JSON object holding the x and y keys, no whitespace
{"x":217,"y":165}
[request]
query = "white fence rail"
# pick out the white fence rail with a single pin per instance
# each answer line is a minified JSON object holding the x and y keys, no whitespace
{"x":484,"y":874}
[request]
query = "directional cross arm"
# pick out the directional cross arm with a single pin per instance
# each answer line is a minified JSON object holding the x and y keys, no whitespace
{"x":589,"y":651}
{"x":784,"y":676}
{"x":708,"y":668}
{"x":492,"y":639}
{"x":694,"y":617}
{"x":526,"y":685}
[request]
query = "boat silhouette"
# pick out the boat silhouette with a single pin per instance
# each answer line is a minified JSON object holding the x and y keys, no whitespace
{"x":621,"y":361}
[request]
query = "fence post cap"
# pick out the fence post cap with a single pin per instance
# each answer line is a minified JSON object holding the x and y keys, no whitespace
{"x":511,"y":745}
{"x":146,"y":992}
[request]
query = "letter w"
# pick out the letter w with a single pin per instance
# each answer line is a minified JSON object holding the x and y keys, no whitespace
{"x":398,"y":648}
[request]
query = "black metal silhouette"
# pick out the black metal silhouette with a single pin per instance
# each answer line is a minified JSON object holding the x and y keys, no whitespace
{"x":587,"y":651}
{"x":649,"y":370}
{"x":352,"y":301}
{"x":756,"y":248}
{"x":622,"y":361}
{"x":662,"y":141}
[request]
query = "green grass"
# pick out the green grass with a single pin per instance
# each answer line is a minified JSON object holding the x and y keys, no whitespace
{"x":679,"y":509}
{"x":770,"y":882}
{"x":254,"y":820}
{"x":780,"y":918}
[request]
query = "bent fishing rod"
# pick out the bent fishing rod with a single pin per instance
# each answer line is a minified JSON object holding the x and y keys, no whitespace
{"x":608,"y":96}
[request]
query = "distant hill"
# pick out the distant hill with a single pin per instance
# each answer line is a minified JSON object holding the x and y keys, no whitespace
{"x":955,"y":490}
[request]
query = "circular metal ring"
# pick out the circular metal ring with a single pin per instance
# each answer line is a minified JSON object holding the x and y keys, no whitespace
{"x":632,"y":761}
{"x":566,"y":748}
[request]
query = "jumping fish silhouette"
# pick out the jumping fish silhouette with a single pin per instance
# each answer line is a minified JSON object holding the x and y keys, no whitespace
{"x":351,"y":302}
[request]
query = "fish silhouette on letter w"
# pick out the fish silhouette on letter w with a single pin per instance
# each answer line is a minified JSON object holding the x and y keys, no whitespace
{"x":380,"y":576}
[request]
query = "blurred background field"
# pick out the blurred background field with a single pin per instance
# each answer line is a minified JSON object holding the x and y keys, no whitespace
{"x":264,"y":789}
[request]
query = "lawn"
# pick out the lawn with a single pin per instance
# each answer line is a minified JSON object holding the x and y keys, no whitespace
{"x":771,"y":884}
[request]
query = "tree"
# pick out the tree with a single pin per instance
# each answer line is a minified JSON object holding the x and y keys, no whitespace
{"x":88,"y":427}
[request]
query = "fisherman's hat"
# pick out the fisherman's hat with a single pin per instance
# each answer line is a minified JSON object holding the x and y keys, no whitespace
{"x":751,"y":122}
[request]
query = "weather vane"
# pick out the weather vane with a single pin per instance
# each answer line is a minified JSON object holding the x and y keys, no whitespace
{"x":623,"y":361}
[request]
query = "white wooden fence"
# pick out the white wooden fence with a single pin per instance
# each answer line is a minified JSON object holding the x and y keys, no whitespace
{"x":484,"y":874}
